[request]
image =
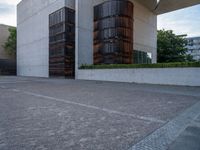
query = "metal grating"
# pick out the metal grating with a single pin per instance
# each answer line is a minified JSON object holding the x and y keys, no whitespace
{"x":163,"y":137}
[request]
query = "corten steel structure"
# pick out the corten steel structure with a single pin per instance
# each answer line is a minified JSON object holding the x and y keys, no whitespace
{"x":99,"y":31}
{"x":113,"y":32}
{"x":62,"y":43}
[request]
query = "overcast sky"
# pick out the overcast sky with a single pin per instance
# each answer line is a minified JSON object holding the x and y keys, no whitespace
{"x":185,"y":21}
{"x":8,"y":12}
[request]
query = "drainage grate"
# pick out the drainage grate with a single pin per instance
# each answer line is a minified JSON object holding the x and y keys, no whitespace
{"x":163,"y":137}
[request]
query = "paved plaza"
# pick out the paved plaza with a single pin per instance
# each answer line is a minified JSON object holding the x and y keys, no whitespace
{"x":61,"y":114}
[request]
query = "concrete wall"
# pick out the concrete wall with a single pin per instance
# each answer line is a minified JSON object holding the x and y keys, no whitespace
{"x":166,"y":76}
{"x":33,"y":35}
{"x":84,"y":33}
{"x":145,"y":30}
{"x":4,"y":34}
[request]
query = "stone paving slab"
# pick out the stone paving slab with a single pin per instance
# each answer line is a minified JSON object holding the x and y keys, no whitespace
{"x":29,"y":122}
{"x":38,"y":113}
{"x":160,"y":105}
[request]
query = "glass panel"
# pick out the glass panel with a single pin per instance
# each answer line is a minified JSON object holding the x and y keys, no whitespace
{"x":140,"y":57}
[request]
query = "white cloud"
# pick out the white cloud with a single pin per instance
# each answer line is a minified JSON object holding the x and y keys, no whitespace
{"x":8,"y":12}
{"x":10,"y":2}
{"x":185,"y":21}
{"x":8,"y":19}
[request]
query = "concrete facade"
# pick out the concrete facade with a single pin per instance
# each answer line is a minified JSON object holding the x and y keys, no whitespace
{"x":165,"y":76}
{"x":33,"y":35}
{"x":145,"y":30}
{"x":33,"y":31}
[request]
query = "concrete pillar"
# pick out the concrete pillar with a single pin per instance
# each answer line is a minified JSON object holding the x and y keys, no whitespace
{"x":84,"y":32}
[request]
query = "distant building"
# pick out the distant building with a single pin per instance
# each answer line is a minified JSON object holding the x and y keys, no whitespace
{"x":7,"y":63}
{"x":4,"y":33}
{"x":193,"y":47}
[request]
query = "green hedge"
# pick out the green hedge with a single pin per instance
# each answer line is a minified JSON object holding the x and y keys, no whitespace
{"x":158,"y":65}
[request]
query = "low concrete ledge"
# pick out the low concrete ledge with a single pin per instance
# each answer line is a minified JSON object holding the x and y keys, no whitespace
{"x":165,"y":76}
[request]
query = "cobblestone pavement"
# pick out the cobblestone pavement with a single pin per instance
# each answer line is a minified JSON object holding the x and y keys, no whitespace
{"x":58,"y":114}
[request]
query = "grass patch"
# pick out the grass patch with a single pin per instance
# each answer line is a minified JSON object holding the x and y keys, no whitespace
{"x":128,"y":66}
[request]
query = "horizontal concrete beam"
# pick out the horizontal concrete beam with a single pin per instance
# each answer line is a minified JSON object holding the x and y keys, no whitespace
{"x":150,"y":4}
{"x":165,"y":6}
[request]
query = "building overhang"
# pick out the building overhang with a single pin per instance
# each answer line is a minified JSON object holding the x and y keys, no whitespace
{"x":150,"y":4}
{"x":165,"y":6}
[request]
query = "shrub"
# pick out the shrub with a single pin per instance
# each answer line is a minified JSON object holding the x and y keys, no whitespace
{"x":158,"y":65}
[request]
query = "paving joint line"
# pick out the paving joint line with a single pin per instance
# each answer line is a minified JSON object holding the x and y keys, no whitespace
{"x":149,"y":119}
{"x":14,"y":82}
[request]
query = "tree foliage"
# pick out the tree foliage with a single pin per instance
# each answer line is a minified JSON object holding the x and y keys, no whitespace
{"x":10,"y":45}
{"x":171,"y":48}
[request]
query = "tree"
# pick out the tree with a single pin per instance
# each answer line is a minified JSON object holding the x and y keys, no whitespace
{"x":190,"y":58}
{"x":10,"y":45}
{"x":171,"y":48}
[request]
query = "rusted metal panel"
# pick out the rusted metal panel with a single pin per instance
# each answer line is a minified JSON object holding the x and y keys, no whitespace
{"x":113,"y":32}
{"x":62,"y":43}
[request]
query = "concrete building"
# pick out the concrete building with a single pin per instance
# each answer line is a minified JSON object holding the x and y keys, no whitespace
{"x":193,"y":47}
{"x":97,"y":31}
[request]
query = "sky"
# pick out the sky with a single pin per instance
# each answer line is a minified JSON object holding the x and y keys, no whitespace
{"x":8,"y":12}
{"x":184,"y":21}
